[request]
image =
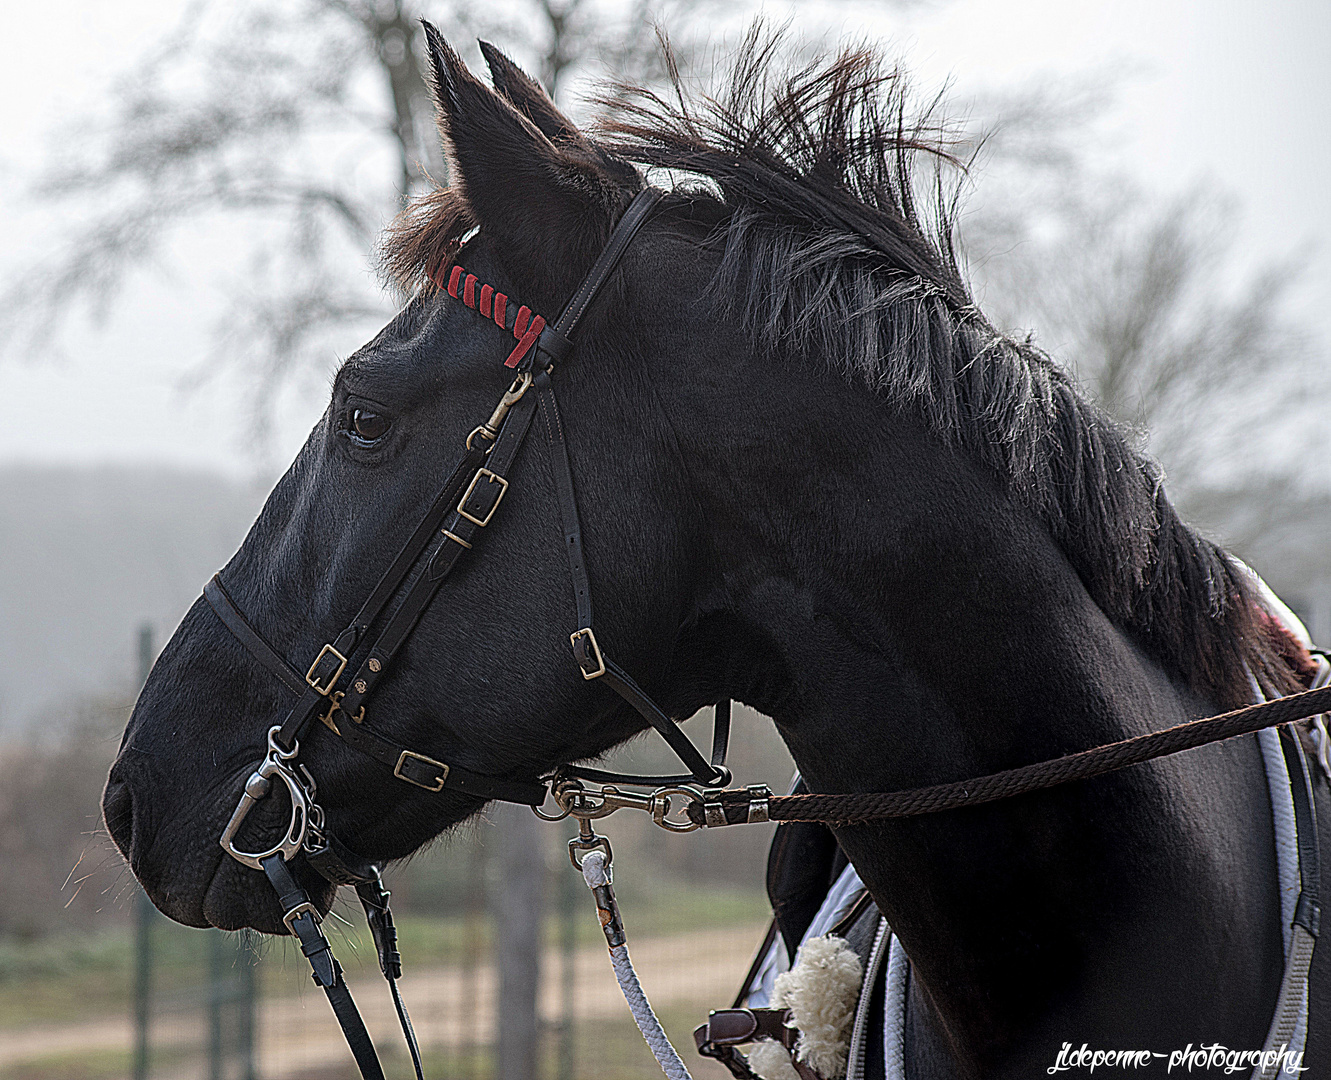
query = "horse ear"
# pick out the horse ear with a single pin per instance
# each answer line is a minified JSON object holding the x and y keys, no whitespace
{"x":526,"y":95}
{"x":551,"y":205}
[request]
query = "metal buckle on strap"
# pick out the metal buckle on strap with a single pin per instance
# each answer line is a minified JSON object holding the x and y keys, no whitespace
{"x":493,"y":478}
{"x":402,"y":759}
{"x":314,"y":680}
{"x":296,"y":912}
{"x":587,"y":653}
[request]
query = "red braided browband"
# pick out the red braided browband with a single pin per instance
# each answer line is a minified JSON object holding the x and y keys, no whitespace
{"x":526,"y":327}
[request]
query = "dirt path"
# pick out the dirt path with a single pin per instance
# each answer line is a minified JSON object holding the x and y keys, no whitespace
{"x":449,"y":1006}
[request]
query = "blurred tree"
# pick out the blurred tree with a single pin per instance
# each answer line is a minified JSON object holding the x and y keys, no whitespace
{"x":58,"y":867}
{"x":1149,"y":302}
{"x":291,"y":133}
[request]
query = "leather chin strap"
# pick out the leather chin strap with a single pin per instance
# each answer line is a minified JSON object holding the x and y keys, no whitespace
{"x":451,"y":526}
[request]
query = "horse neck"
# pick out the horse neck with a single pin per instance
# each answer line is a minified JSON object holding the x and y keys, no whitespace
{"x":911,"y":624}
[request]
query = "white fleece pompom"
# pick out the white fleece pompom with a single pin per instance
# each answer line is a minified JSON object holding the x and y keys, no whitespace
{"x":821,"y":992}
{"x":771,"y":1061}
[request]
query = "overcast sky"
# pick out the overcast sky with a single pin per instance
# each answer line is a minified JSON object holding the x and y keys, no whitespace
{"x":1232,"y":92}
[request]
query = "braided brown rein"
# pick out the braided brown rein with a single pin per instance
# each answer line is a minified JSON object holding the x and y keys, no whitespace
{"x":877,"y":806}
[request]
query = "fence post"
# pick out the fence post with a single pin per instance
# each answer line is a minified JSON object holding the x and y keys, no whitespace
{"x":216,"y":993}
{"x":519,"y":887}
{"x":249,"y":961}
{"x":473,"y":954}
{"x":568,"y":948}
{"x":143,"y":916}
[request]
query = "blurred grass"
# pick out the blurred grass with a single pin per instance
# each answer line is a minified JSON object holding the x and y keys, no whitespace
{"x":57,"y":979}
{"x":89,"y":1065}
{"x":602,"y":1050}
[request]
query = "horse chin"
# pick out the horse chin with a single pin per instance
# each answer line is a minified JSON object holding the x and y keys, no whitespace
{"x":237,"y":897}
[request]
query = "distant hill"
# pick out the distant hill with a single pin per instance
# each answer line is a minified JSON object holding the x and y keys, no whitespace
{"x":86,"y":557}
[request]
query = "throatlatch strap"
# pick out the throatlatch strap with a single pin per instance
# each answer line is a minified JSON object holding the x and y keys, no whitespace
{"x":586,"y":650}
{"x":720,"y":742}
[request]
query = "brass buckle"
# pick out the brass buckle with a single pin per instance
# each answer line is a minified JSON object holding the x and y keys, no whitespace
{"x":494,"y":478}
{"x":296,"y":912}
{"x":341,"y":667}
{"x":586,"y":633}
{"x":401,"y":760}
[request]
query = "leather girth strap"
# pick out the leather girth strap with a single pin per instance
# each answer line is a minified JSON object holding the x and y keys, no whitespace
{"x":1308,"y":909}
{"x":727,"y":1029}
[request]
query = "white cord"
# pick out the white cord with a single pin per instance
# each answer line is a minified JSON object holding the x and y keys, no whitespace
{"x":594,"y":873}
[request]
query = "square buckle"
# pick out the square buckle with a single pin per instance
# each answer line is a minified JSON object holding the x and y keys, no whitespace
{"x":313,"y":680}
{"x":296,"y":912}
{"x":587,"y":638}
{"x":493,"y":478}
{"x":402,"y":759}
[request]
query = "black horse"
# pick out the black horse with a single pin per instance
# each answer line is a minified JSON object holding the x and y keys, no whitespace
{"x":812,"y":477}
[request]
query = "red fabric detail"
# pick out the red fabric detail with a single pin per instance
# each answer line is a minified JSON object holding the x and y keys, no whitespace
{"x":1290,"y":649}
{"x":526,"y":326}
{"x":528,"y":340}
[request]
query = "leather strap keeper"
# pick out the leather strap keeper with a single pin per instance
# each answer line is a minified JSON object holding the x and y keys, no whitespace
{"x":731,"y":1027}
{"x":554,"y":344}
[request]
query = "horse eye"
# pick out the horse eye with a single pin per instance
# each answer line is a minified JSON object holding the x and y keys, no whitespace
{"x":368,"y":426}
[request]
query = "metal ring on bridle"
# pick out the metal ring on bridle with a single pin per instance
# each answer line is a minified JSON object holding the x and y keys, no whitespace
{"x":257,"y":787}
{"x":661,"y":799}
{"x":564,"y":811}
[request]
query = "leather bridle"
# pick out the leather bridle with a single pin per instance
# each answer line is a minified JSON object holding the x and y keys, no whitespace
{"x":366,"y":647}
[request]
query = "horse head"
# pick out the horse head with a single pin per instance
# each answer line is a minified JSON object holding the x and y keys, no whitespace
{"x":486,"y":680}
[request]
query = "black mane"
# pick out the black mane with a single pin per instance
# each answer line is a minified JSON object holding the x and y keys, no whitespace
{"x":826,"y":251}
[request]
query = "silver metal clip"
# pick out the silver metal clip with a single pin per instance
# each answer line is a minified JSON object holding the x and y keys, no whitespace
{"x":301,"y":789}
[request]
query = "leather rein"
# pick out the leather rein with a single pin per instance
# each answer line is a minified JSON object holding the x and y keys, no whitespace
{"x":454,"y":525}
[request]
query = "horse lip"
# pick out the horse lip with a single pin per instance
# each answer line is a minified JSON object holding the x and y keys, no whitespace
{"x":222,"y":893}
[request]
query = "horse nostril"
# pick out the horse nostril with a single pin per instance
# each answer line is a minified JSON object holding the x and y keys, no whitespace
{"x":118,"y":813}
